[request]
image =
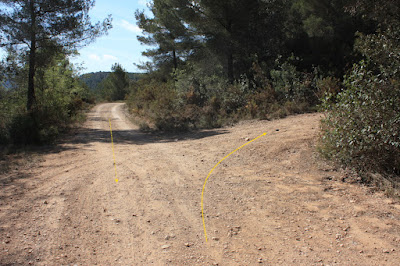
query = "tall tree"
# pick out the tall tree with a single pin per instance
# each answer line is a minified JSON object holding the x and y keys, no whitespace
{"x":322,"y":34}
{"x":234,"y":29}
{"x":35,"y":26}
{"x":167,"y":31}
{"x":114,"y":87}
{"x":386,"y":12}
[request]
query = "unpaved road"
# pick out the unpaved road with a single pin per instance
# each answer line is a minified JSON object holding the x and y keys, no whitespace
{"x":272,"y":202}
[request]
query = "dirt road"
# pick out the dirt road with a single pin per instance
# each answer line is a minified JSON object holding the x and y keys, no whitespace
{"x":272,"y":202}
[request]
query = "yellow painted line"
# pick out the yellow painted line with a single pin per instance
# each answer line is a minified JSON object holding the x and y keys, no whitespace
{"x":112,"y":144}
{"x":204,"y":186}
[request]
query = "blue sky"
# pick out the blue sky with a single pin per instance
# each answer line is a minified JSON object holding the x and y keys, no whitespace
{"x":120,"y":45}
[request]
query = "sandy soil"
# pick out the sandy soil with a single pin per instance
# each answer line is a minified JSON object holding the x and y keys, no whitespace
{"x":273,"y":202}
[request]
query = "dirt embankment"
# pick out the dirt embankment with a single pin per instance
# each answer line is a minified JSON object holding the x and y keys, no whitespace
{"x":272,"y":202}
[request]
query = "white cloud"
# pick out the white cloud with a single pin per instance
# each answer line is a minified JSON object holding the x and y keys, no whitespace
{"x":143,"y":2}
{"x":129,"y":26}
{"x":94,"y":57}
{"x":110,"y":57}
{"x":102,"y":58}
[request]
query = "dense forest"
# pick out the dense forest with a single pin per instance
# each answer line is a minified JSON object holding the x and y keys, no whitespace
{"x":215,"y":62}
{"x":97,"y":82}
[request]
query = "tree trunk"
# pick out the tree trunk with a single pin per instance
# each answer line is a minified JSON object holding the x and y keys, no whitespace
{"x":230,"y":66}
{"x":32,"y":60}
{"x":31,"y":79}
{"x":175,"y":60}
{"x":229,"y":53}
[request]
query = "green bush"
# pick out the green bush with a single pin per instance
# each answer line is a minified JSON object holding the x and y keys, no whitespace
{"x":260,"y":102}
{"x":60,"y":98}
{"x":328,"y":85}
{"x":37,"y":127}
{"x":293,"y":85}
{"x":198,"y":97}
{"x":210,"y":114}
{"x":23,"y":130}
{"x":4,"y":122}
{"x":159,"y":102}
{"x":362,"y":129}
{"x":362,"y":125}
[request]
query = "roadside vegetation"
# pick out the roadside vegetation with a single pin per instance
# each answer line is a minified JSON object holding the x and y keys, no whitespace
{"x":361,"y":129}
{"x":216,"y":62}
{"x":40,"y":93}
{"x":59,"y":96}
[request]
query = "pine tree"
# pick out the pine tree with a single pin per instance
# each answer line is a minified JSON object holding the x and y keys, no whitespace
{"x":167,"y":31}
{"x":45,"y":26}
{"x":114,"y":87}
{"x":322,"y":33}
{"x":224,"y":27}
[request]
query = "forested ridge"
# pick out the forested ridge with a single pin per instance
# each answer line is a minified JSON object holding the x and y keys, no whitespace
{"x":94,"y":79}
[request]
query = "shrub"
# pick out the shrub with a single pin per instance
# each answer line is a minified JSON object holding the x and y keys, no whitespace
{"x":59,"y":97}
{"x":259,"y":103}
{"x":210,"y":114}
{"x":362,"y":126}
{"x":362,"y":129}
{"x":23,"y":130}
{"x":198,"y":98}
{"x":158,"y":102}
{"x":328,"y":85}
{"x":293,"y":85}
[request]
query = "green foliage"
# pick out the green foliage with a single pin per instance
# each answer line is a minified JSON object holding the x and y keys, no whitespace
{"x":202,"y":99}
{"x":168,"y":32}
{"x":208,"y":50}
{"x":159,"y":103}
{"x":93,"y":80}
{"x":328,"y":85}
{"x":362,"y":123}
{"x":201,"y":82}
{"x":114,"y":86}
{"x":171,"y":108}
{"x":40,"y":30}
{"x":60,"y":98}
{"x":361,"y":129}
{"x":230,"y":32}
{"x":322,"y":34}
{"x":4,"y":119}
{"x":294,"y":86}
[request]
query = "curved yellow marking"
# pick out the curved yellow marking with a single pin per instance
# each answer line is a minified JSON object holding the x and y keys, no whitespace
{"x":112,"y":145}
{"x":204,"y":186}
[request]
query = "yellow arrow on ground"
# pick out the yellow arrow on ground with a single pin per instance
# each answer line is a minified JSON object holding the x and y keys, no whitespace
{"x":204,"y":186}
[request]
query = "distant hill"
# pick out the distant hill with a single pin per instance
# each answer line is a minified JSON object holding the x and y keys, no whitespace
{"x":92,"y":80}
